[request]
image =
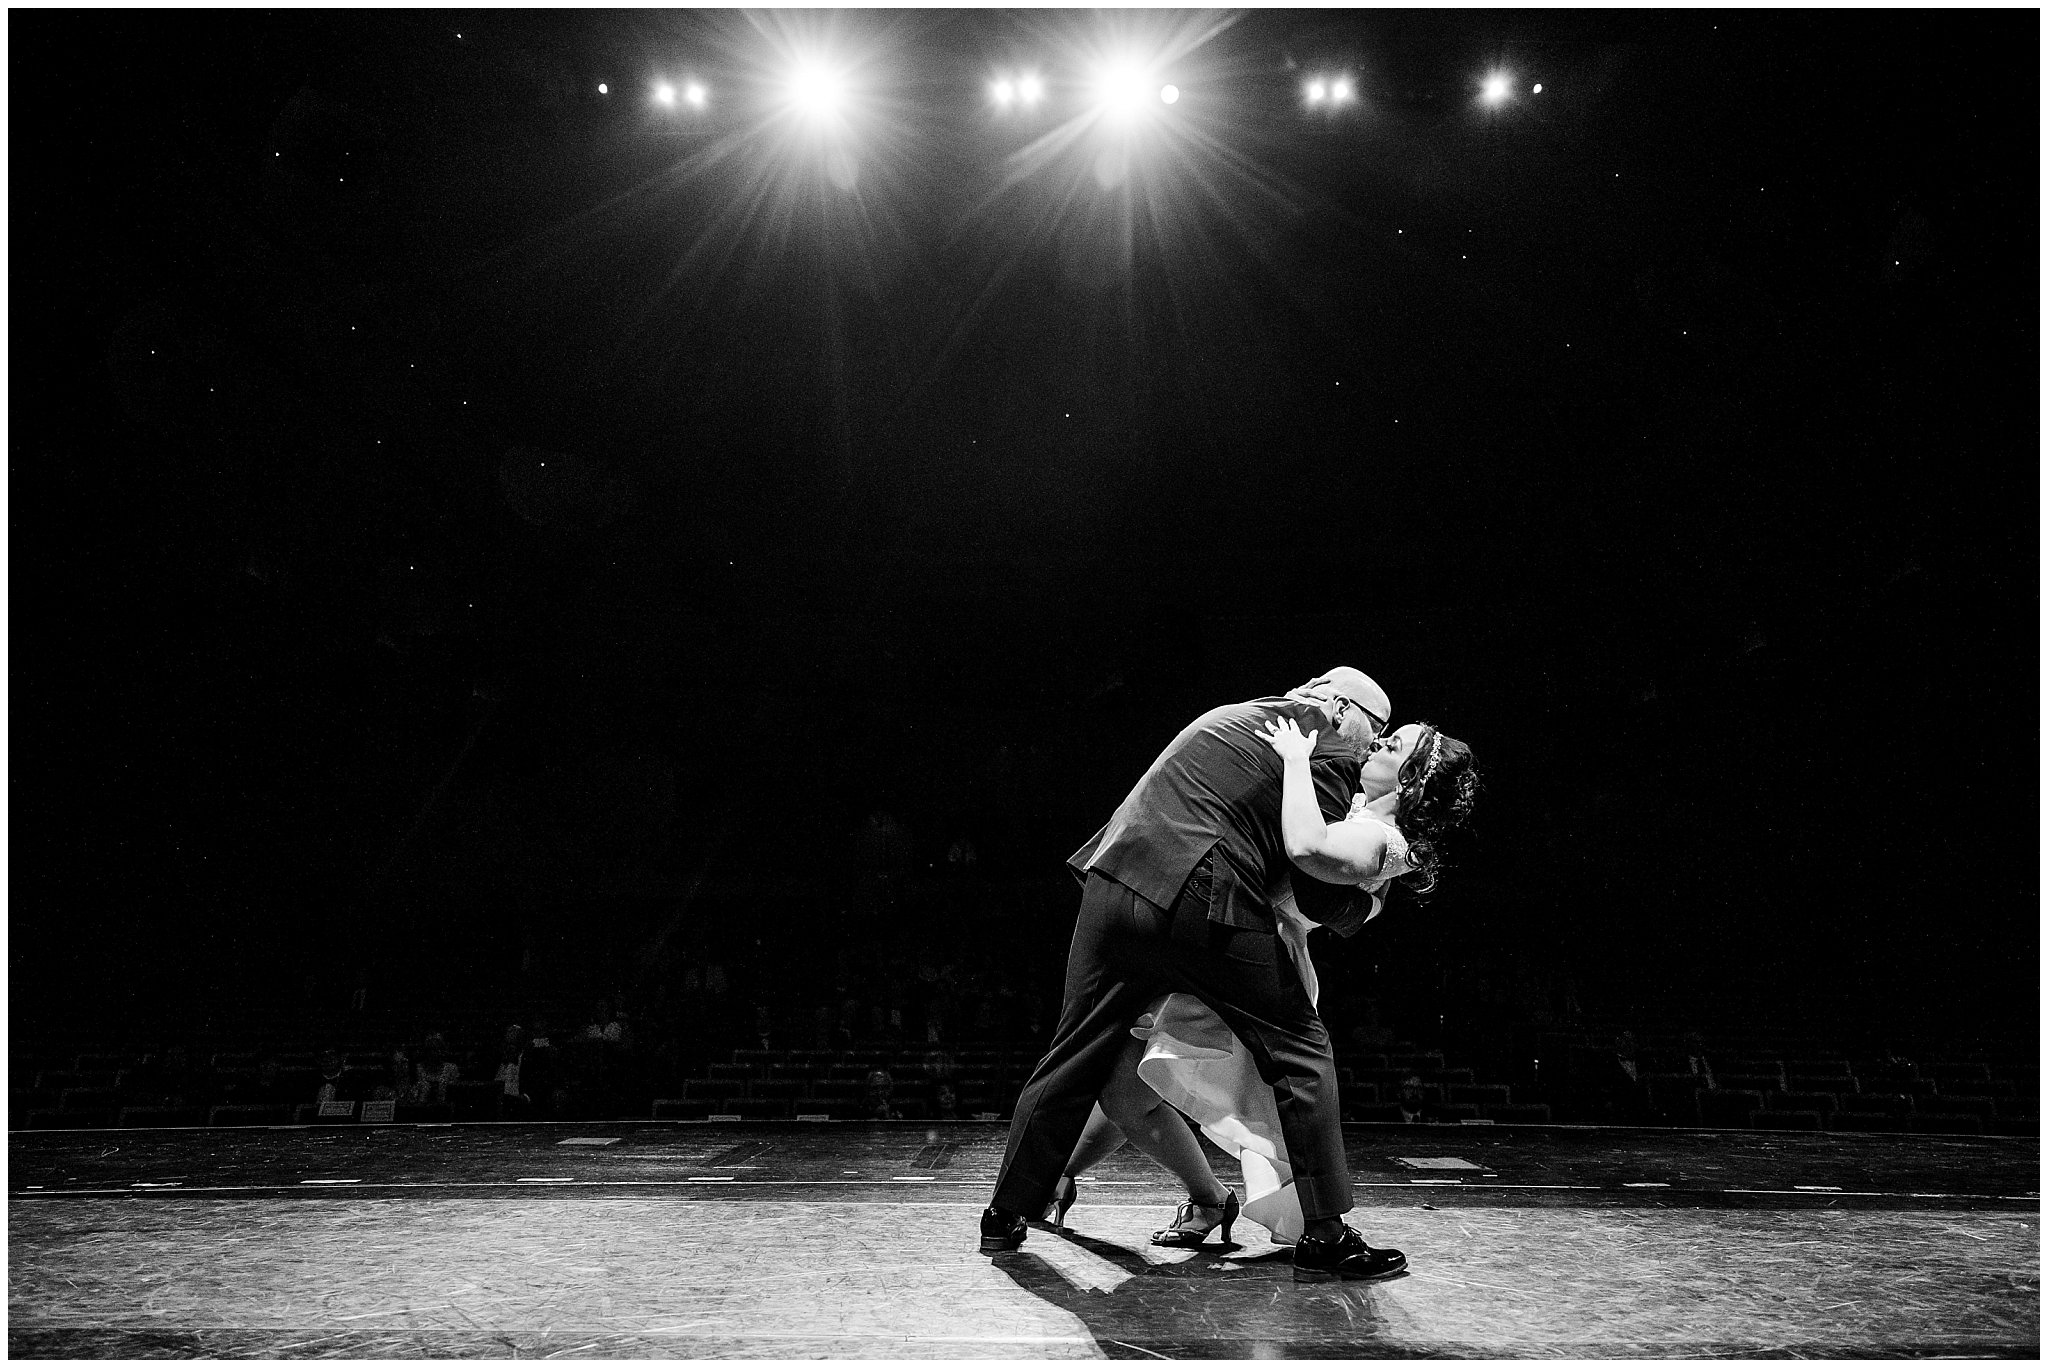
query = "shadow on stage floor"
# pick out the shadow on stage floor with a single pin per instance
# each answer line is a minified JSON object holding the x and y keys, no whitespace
{"x":801,"y":1240}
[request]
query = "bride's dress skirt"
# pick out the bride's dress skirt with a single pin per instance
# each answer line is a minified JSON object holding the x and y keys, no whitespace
{"x":1194,"y":1062}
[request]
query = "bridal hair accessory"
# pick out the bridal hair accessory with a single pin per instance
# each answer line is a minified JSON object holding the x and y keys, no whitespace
{"x":1436,"y":753}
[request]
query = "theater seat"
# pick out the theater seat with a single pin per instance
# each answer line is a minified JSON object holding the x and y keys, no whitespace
{"x":1372,"y":1111}
{"x":1674,"y":1098}
{"x":422,"y":1113}
{"x":1518,"y":1114}
{"x":249,"y":1114}
{"x":160,"y":1117}
{"x":1481,"y":1094}
{"x":483,"y":1100}
{"x":1729,"y":1108}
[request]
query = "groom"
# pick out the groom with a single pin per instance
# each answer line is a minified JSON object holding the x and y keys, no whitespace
{"x":1177,"y":895}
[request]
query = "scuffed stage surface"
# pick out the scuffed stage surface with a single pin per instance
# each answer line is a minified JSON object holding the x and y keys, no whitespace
{"x":800,"y":1240}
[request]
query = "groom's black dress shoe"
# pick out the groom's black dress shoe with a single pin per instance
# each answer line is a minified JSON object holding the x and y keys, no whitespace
{"x":1000,"y":1230}
{"x":1348,"y":1257}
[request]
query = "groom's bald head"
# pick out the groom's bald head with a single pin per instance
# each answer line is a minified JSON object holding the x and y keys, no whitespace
{"x":1341,"y":681}
{"x":1358,"y":706}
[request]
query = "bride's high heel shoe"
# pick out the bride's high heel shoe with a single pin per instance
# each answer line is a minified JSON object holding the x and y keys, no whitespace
{"x":1192,"y":1223}
{"x":1064,"y":1194}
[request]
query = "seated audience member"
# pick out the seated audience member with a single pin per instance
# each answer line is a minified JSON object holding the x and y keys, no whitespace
{"x":1412,"y":1098}
{"x":398,"y":1080}
{"x":540,"y":1071}
{"x":1625,"y":1054}
{"x":876,"y":1098}
{"x":608,"y":1027}
{"x":434,"y":1073}
{"x":945,"y":1103}
{"x":511,"y":1053}
{"x":1696,"y":1057}
{"x":1620,"y":1097}
{"x":331,"y":1071}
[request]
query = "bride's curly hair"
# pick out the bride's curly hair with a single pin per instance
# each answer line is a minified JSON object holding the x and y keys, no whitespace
{"x":1438,"y":786}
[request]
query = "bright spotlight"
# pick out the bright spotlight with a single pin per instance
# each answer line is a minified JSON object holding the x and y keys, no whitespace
{"x":1003,"y":92}
{"x":1538,"y":89}
{"x":816,"y":91}
{"x":1316,"y":91}
{"x":696,"y":95}
{"x":1121,"y":90}
{"x":1169,"y":94}
{"x":603,"y":89}
{"x":1030,"y":89}
{"x":664,"y":93}
{"x":1340,"y":90}
{"x":1495,"y":89}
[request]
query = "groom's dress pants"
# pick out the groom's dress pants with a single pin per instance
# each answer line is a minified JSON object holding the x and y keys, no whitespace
{"x":1128,"y":951}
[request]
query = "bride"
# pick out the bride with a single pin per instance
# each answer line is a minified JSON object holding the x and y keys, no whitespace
{"x":1417,"y":785}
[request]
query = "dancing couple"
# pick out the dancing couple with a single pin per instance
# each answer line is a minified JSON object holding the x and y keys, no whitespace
{"x":1189,"y":986}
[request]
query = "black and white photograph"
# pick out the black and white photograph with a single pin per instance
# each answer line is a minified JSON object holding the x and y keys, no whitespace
{"x":1023,"y":684}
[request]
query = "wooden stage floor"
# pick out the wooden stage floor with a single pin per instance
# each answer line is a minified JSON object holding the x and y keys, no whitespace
{"x":808,"y":1240}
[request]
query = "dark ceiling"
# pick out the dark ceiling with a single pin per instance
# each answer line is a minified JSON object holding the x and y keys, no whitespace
{"x":438,"y":485}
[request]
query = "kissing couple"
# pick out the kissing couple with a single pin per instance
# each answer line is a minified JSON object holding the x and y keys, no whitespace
{"x":1189,"y":989}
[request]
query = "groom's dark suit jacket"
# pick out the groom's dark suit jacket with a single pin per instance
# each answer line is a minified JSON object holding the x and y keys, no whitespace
{"x":1217,"y":787}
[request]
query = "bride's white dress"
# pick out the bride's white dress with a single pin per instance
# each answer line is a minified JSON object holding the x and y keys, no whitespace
{"x":1194,"y":1062}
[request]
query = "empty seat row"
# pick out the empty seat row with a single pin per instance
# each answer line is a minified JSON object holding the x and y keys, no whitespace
{"x":479,"y":1101}
{"x":1742,"y":1108}
{"x":1409,"y":1061}
{"x":741,"y":1109}
{"x":1449,"y":1113}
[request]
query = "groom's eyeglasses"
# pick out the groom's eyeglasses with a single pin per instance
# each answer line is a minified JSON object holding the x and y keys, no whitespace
{"x":1379,"y":724}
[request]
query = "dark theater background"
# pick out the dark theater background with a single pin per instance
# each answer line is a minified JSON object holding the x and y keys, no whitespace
{"x":480,"y":544}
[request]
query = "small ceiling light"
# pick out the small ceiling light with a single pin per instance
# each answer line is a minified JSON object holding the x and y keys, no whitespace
{"x":1340,"y":90}
{"x":1030,"y":89}
{"x":664,"y":93}
{"x":1003,"y":92}
{"x":603,"y":89}
{"x":696,"y":95}
{"x":1316,"y":91}
{"x":1169,"y":94}
{"x":1495,"y":89}
{"x":1537,"y":89}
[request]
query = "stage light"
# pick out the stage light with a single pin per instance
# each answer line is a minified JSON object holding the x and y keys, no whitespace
{"x":696,"y":95}
{"x":1340,"y":90}
{"x":816,"y":91}
{"x":1169,"y":94}
{"x":1030,"y":89}
{"x":603,"y":89}
{"x":1538,"y":89}
{"x":1121,"y":90}
{"x":1316,"y":92}
{"x":1003,"y":92}
{"x":1495,"y":89}
{"x":664,"y":93}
